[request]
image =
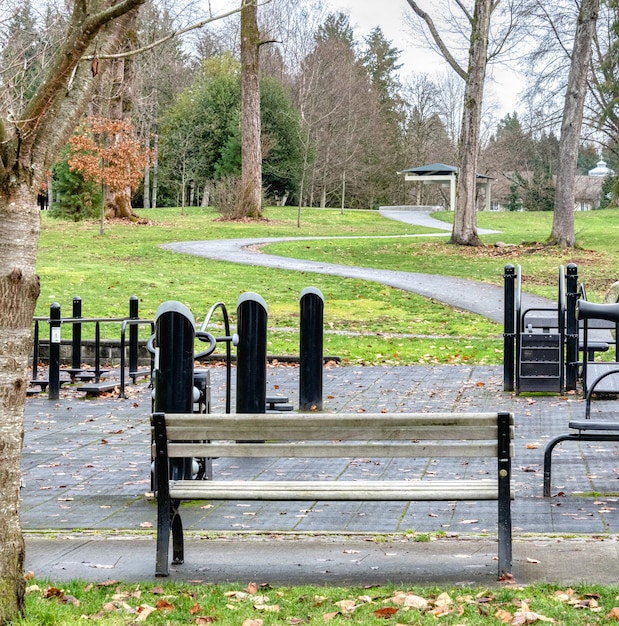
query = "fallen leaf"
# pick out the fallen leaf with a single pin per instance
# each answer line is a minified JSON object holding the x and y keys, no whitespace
{"x":144,"y":611}
{"x":347,"y":606}
{"x":386,"y":613}
{"x":163,"y":605}
{"x":504,"y":616}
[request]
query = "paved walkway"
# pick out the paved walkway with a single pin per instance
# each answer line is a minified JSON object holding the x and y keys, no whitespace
{"x":469,"y":295}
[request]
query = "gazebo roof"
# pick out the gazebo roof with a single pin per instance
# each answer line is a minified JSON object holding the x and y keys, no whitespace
{"x":436,"y":169}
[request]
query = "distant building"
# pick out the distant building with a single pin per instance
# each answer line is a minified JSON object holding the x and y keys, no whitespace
{"x":601,"y":169}
{"x":587,"y":189}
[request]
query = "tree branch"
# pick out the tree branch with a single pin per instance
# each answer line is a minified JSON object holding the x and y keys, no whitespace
{"x":159,"y":42}
{"x":438,"y":39}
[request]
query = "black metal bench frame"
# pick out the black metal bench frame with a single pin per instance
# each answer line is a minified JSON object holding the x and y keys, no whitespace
{"x":329,"y":435}
{"x":582,"y":430}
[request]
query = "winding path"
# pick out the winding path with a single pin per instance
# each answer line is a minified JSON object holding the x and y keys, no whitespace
{"x":469,"y":295}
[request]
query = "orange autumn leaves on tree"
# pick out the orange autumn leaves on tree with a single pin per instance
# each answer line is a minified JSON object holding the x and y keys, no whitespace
{"x":109,"y":152}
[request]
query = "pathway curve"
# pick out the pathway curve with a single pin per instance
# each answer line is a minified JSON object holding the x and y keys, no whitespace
{"x":469,"y":295}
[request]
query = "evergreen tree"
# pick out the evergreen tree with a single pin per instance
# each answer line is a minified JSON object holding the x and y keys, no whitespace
{"x":75,"y":198}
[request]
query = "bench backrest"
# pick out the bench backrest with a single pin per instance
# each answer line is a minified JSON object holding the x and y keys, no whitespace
{"x":336,"y":435}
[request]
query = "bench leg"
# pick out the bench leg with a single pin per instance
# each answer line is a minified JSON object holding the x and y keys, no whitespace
{"x":163,"y":535}
{"x":178,"y":545}
{"x":550,"y":446}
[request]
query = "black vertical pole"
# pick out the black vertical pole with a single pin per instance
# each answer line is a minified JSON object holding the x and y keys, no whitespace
{"x":54,"y":352}
{"x":251,"y":367}
{"x":133,"y":335}
{"x":311,"y":304}
{"x":97,"y":352}
{"x":35,"y":351}
{"x":175,"y":335}
{"x":76,"y":335}
{"x":509,"y":328}
{"x":571,"y":327}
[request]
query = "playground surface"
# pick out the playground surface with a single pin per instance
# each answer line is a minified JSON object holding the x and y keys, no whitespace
{"x":88,"y":513}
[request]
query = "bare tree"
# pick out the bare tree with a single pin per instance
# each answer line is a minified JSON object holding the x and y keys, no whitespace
{"x":476,"y":24}
{"x":563,"y":219}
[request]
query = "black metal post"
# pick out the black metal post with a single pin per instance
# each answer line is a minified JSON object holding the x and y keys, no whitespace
{"x":133,"y":335}
{"x":175,"y":334}
{"x":509,"y":328}
{"x":311,"y":304}
{"x":571,"y":328}
{"x":97,"y":351}
{"x":54,"y":352}
{"x":76,"y":335}
{"x":35,"y":351}
{"x":251,"y":367}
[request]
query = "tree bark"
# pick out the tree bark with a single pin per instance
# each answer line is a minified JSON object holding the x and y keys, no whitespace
{"x":563,"y":233}
{"x":28,"y":147}
{"x":250,"y":201}
{"x":465,"y":218}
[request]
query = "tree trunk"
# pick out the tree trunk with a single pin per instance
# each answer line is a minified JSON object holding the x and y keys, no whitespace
{"x":146,"y":203}
{"x":465,"y":218}
{"x":19,"y":289}
{"x":155,"y":171}
{"x":562,"y":233}
{"x":250,"y":201}
{"x":28,"y":147}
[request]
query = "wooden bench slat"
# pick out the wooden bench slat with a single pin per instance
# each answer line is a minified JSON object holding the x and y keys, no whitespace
{"x":253,"y":430}
{"x":372,"y":427}
{"x":306,"y":420}
{"x":331,"y":450}
{"x":335,"y":490}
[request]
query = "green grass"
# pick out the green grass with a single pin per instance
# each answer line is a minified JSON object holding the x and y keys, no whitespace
{"x":365,"y":322}
{"x":115,"y":604}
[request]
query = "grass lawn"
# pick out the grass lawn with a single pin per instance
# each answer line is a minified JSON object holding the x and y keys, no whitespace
{"x":366,"y":323}
{"x":113,"y":604}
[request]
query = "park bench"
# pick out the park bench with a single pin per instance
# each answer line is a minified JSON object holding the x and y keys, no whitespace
{"x":330,"y":435}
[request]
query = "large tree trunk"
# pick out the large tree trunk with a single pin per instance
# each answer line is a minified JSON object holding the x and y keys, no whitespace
{"x":19,"y":289}
{"x":562,"y":233}
{"x":119,"y":105}
{"x":465,"y":217}
{"x":250,"y":201}
{"x":27,"y":151}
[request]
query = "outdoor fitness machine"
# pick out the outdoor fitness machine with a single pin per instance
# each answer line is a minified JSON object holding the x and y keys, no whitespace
{"x":543,"y":346}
